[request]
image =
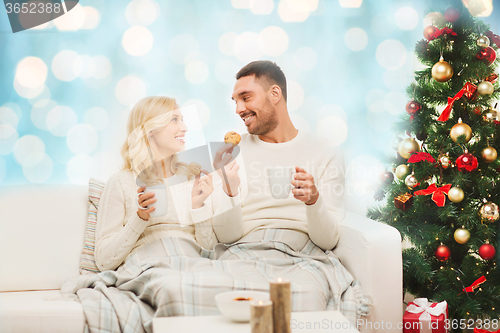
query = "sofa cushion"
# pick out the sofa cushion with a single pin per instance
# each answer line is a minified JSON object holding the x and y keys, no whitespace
{"x":40,"y":311}
{"x":87,"y":259}
{"x":42,"y":228}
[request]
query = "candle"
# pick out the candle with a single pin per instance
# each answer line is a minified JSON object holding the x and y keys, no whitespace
{"x":261,"y":316}
{"x":282,"y":305}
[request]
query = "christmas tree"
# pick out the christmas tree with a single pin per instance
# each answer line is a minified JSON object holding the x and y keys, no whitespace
{"x":445,"y":196}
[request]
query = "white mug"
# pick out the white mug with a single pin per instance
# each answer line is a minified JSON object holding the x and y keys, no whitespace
{"x":160,"y":192}
{"x":280,"y":181}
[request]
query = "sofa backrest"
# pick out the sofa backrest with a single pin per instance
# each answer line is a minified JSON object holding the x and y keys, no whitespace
{"x":42,"y":230}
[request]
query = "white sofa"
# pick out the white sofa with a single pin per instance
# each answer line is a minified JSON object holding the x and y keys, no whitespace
{"x":41,"y":236}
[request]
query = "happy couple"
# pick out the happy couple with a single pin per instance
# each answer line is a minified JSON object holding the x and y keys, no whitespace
{"x":234,"y":204}
{"x":222,"y":231}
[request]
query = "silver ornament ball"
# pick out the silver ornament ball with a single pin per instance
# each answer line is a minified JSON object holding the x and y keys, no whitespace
{"x":402,"y":170}
{"x":456,"y":194}
{"x":485,"y":88}
{"x":489,"y":212}
{"x":483,"y":41}
{"x":411,"y":181}
{"x":490,"y":115}
{"x":461,"y":236}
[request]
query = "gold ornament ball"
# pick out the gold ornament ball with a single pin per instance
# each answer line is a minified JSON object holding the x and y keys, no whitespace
{"x":406,"y":146}
{"x":456,"y":194}
{"x":489,"y":154}
{"x":442,"y":71}
{"x":444,"y":160}
{"x":411,"y":181}
{"x":461,"y":129}
{"x":485,"y":88}
{"x":489,"y":212}
{"x":402,"y":170}
{"x":490,"y":115}
{"x":483,"y":41}
{"x":462,"y":236}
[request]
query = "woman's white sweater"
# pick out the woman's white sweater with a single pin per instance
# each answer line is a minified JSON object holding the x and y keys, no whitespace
{"x":119,"y":230}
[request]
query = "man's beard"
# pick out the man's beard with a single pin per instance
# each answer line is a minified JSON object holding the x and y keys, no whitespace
{"x":266,"y":121}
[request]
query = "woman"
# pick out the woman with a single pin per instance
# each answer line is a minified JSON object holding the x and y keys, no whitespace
{"x":156,"y":133}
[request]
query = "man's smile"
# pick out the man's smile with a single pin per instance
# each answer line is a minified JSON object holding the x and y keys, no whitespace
{"x":248,"y":118}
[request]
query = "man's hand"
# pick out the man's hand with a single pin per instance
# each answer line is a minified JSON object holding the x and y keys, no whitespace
{"x":230,"y":178}
{"x":305,"y":190}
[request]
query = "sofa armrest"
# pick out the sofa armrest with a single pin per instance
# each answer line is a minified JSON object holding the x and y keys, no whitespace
{"x":371,"y":252}
{"x":42,"y":229}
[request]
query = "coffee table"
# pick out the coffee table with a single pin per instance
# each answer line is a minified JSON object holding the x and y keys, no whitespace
{"x":310,"y":322}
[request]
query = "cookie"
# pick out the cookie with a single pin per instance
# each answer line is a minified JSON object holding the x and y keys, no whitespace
{"x":195,"y":168}
{"x":232,"y":137}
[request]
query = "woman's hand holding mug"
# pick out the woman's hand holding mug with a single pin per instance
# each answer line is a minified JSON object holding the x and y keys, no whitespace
{"x":143,"y":201}
{"x":202,"y":189}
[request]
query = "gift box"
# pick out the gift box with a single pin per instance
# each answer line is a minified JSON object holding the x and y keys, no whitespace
{"x":470,"y":91}
{"x":403,"y":201}
{"x":422,"y":316}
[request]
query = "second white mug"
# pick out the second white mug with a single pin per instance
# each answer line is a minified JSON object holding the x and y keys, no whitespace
{"x":280,"y":181}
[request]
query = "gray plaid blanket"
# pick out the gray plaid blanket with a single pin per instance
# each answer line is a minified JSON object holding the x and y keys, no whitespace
{"x":176,"y":277}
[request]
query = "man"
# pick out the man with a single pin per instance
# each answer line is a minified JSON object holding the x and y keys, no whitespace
{"x":316,"y":206}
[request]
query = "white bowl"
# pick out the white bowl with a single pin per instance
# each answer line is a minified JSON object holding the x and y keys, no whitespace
{"x":238,"y":310}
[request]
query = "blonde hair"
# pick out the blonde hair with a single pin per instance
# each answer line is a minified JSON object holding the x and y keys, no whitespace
{"x":150,"y":114}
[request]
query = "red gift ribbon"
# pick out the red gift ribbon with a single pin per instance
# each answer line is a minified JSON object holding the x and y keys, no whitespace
{"x":494,"y":38}
{"x":438,"y":193}
{"x":468,"y":90}
{"x":440,"y":32}
{"x":475,"y":285}
{"x":421,"y":156}
{"x":479,"y":330}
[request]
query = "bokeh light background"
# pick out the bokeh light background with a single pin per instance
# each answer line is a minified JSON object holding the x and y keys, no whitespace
{"x":66,"y":87}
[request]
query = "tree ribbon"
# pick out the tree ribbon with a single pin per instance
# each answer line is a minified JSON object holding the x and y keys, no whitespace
{"x":493,"y":38}
{"x":475,"y":285}
{"x":479,"y":330}
{"x":468,"y":90}
{"x":438,"y":193}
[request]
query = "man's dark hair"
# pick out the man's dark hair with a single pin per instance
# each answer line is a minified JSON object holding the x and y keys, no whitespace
{"x":267,"y":70}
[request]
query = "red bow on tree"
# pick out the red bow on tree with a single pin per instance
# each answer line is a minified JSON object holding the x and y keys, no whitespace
{"x":493,"y":38}
{"x":479,"y":330}
{"x":475,"y":284}
{"x":440,"y":32}
{"x":421,"y":156}
{"x":438,"y":193}
{"x":468,"y":90}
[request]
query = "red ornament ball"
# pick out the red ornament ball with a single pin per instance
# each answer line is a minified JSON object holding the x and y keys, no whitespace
{"x":487,"y":251}
{"x":466,"y":162}
{"x":487,"y":55}
{"x":429,"y":30}
{"x":451,"y":14}
{"x":387,"y":177}
{"x":443,"y":253}
{"x":413,"y":108}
